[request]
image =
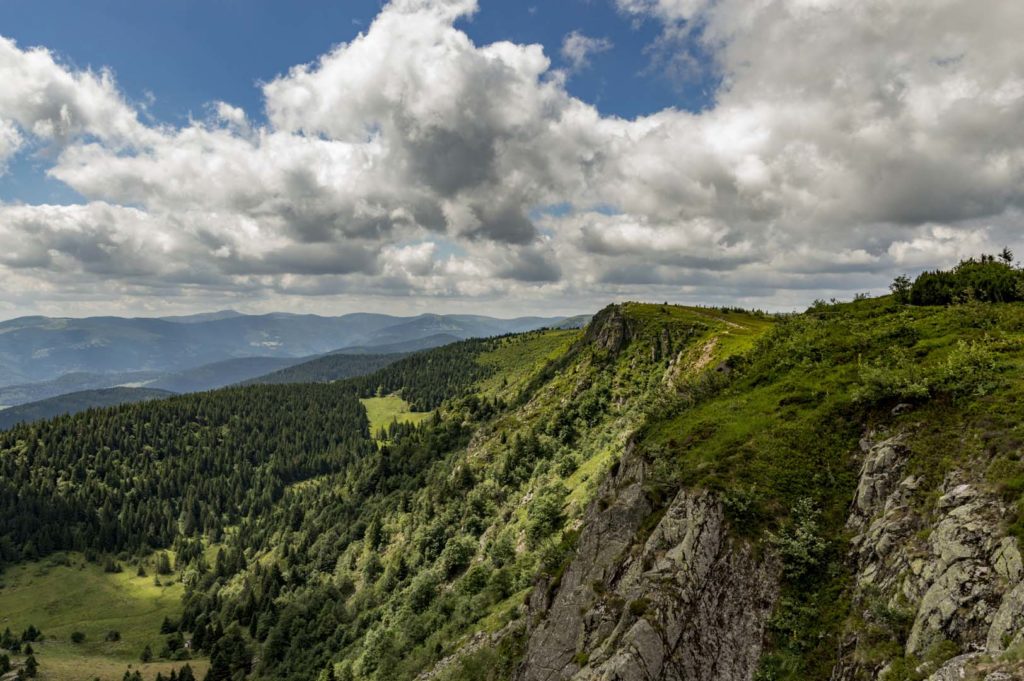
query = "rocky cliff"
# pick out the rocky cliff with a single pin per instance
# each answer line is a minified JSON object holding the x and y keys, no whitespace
{"x":665,"y":592}
{"x":652,"y":594}
{"x":939,"y":560}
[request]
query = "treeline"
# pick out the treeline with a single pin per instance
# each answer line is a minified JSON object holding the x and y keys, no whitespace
{"x":988,"y":279}
{"x":136,"y":477}
{"x":327,"y":369}
{"x":428,"y":378}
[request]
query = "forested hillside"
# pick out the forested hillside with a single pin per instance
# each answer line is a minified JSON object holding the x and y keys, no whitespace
{"x":141,"y":476}
{"x":691,"y":492}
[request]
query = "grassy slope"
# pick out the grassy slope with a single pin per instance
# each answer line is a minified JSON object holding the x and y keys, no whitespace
{"x":61,"y":599}
{"x":559,"y":373}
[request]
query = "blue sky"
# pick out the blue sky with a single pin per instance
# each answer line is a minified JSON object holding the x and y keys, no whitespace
{"x":179,"y":56}
{"x":190,"y":52}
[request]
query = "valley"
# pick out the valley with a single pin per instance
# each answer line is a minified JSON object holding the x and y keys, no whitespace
{"x":675,"y":489}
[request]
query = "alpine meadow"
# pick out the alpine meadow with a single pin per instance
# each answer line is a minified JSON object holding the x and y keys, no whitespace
{"x":477,"y":340}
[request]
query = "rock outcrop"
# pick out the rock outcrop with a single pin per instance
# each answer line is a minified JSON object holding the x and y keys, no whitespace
{"x":680,"y":601}
{"x":609,"y":330}
{"x":945,"y":560}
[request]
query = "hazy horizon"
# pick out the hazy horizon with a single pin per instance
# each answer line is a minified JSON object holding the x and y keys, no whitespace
{"x":288,"y":312}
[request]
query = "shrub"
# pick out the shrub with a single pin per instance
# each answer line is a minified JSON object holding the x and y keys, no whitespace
{"x":457,"y":555}
{"x":476,"y":579}
{"x":900,"y":288}
{"x":970,"y":369}
{"x":800,"y":542}
{"x":638,"y":608}
{"x":896,"y":376}
{"x":77,"y":637}
{"x":502,"y":551}
{"x":566,"y":464}
{"x":422,"y":591}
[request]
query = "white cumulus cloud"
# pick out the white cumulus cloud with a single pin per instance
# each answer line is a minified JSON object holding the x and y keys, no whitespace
{"x":847,"y":142}
{"x":577,"y":48}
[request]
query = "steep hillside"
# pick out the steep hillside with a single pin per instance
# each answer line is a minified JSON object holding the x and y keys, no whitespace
{"x":443,"y":532}
{"x":840,"y":503}
{"x":671,"y":493}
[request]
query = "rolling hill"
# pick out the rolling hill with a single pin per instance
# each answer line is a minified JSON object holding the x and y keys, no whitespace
{"x":13,"y":395}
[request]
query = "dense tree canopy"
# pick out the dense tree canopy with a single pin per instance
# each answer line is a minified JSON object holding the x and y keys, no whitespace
{"x":139,"y":476}
{"x":989,"y":279}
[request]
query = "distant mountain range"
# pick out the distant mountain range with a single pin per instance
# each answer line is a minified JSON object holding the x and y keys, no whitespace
{"x":44,"y":349}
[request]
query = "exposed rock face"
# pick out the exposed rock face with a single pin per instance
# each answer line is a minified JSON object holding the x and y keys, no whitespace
{"x":609,"y":330}
{"x":685,"y":602}
{"x":947,"y":561}
{"x":662,"y":347}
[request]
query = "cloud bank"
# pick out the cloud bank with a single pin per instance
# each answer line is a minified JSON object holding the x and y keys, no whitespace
{"x":848,"y":142}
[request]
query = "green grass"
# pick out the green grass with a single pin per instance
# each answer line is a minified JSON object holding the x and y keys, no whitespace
{"x":383,"y":411}
{"x":519,"y":358}
{"x":60,"y":599}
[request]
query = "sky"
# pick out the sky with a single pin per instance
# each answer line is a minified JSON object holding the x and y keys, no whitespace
{"x":498,"y":157}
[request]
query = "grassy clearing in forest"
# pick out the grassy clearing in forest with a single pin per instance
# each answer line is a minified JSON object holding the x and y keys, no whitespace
{"x":383,"y":411}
